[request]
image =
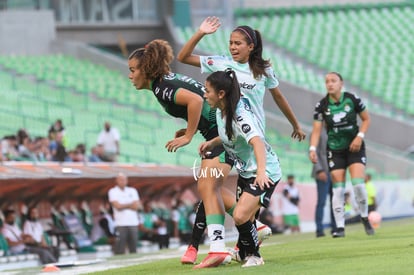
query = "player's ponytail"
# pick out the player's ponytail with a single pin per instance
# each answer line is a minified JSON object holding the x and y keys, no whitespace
{"x":227,"y":82}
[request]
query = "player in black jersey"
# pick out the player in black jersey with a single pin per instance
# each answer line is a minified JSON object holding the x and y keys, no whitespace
{"x":182,"y":97}
{"x":345,"y":149}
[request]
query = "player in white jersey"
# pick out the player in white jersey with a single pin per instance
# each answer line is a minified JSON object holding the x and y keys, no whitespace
{"x":255,"y":74}
{"x":256,"y":163}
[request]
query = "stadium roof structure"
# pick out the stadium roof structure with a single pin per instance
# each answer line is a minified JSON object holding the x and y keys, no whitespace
{"x":27,"y":181}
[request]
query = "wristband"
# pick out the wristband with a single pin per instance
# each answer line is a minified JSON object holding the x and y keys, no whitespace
{"x":312,"y":148}
{"x":361,"y":135}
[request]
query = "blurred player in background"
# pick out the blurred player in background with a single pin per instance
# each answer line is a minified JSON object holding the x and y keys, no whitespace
{"x":346,"y":147}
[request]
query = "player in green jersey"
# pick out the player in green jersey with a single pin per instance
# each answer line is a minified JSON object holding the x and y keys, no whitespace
{"x":345,"y":147}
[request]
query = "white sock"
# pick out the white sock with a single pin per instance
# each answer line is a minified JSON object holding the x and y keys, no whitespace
{"x":361,"y":199}
{"x":216,"y":236}
{"x":338,"y":206}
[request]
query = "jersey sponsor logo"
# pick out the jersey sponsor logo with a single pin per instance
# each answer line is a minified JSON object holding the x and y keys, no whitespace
{"x":246,"y":128}
{"x":193,"y":82}
{"x":247,"y":86}
{"x":157,"y":90}
{"x":338,"y":117}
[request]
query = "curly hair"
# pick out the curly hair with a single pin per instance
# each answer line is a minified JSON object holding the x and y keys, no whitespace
{"x":154,"y":59}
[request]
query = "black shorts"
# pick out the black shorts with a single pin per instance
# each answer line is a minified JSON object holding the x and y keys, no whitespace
{"x":341,"y":159}
{"x":222,"y":154}
{"x":218,"y":150}
{"x":246,"y":185}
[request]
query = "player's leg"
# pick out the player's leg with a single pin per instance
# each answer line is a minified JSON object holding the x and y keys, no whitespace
{"x":248,"y":241}
{"x":357,"y":172}
{"x":190,"y":255}
{"x":209,"y":184}
{"x":338,"y":193}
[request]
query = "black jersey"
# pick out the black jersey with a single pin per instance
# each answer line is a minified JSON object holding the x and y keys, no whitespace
{"x":340,"y":118}
{"x":165,"y":90}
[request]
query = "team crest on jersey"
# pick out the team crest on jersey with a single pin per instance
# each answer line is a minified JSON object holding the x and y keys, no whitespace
{"x":328,"y":112}
{"x":246,"y":128}
{"x":347,"y":108}
{"x":210,"y":61}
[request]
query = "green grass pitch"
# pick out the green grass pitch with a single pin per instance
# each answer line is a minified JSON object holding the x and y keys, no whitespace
{"x":389,"y":251}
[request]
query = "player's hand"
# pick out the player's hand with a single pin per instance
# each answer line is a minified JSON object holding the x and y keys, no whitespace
{"x":176,"y":143}
{"x":298,"y":134}
{"x":205,"y":149}
{"x":313,"y":156}
{"x":180,"y":133}
{"x":355,"y":145}
{"x":210,"y":25}
{"x":263,"y":181}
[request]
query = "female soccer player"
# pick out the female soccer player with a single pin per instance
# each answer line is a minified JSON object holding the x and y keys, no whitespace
{"x":258,"y":166}
{"x":255,"y":76}
{"x":182,"y":97}
{"x":345,"y":146}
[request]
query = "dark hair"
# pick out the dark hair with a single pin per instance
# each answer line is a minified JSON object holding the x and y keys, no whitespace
{"x":154,"y":59}
{"x":8,"y":212}
{"x":337,"y":74}
{"x":326,"y":101}
{"x":256,"y":62}
{"x":227,"y":81}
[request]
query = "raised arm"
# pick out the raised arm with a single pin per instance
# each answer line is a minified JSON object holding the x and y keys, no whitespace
{"x":185,"y":55}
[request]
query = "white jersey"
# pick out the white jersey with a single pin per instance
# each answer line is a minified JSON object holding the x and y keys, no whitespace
{"x":251,"y":88}
{"x":245,"y":128}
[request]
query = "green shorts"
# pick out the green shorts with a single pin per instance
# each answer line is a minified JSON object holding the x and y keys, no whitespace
{"x":291,"y":220}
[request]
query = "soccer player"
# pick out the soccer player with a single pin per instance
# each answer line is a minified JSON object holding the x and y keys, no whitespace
{"x":182,"y":97}
{"x":258,"y":166}
{"x":345,"y":146}
{"x":255,"y":76}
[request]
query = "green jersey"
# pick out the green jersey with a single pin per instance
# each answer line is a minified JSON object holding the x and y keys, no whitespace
{"x":340,"y":119}
{"x":165,"y":90}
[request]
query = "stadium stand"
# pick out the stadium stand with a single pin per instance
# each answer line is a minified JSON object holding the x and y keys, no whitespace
{"x":373,"y":55}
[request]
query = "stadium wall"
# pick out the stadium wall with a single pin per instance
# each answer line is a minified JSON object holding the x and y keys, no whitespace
{"x":26,"y":32}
